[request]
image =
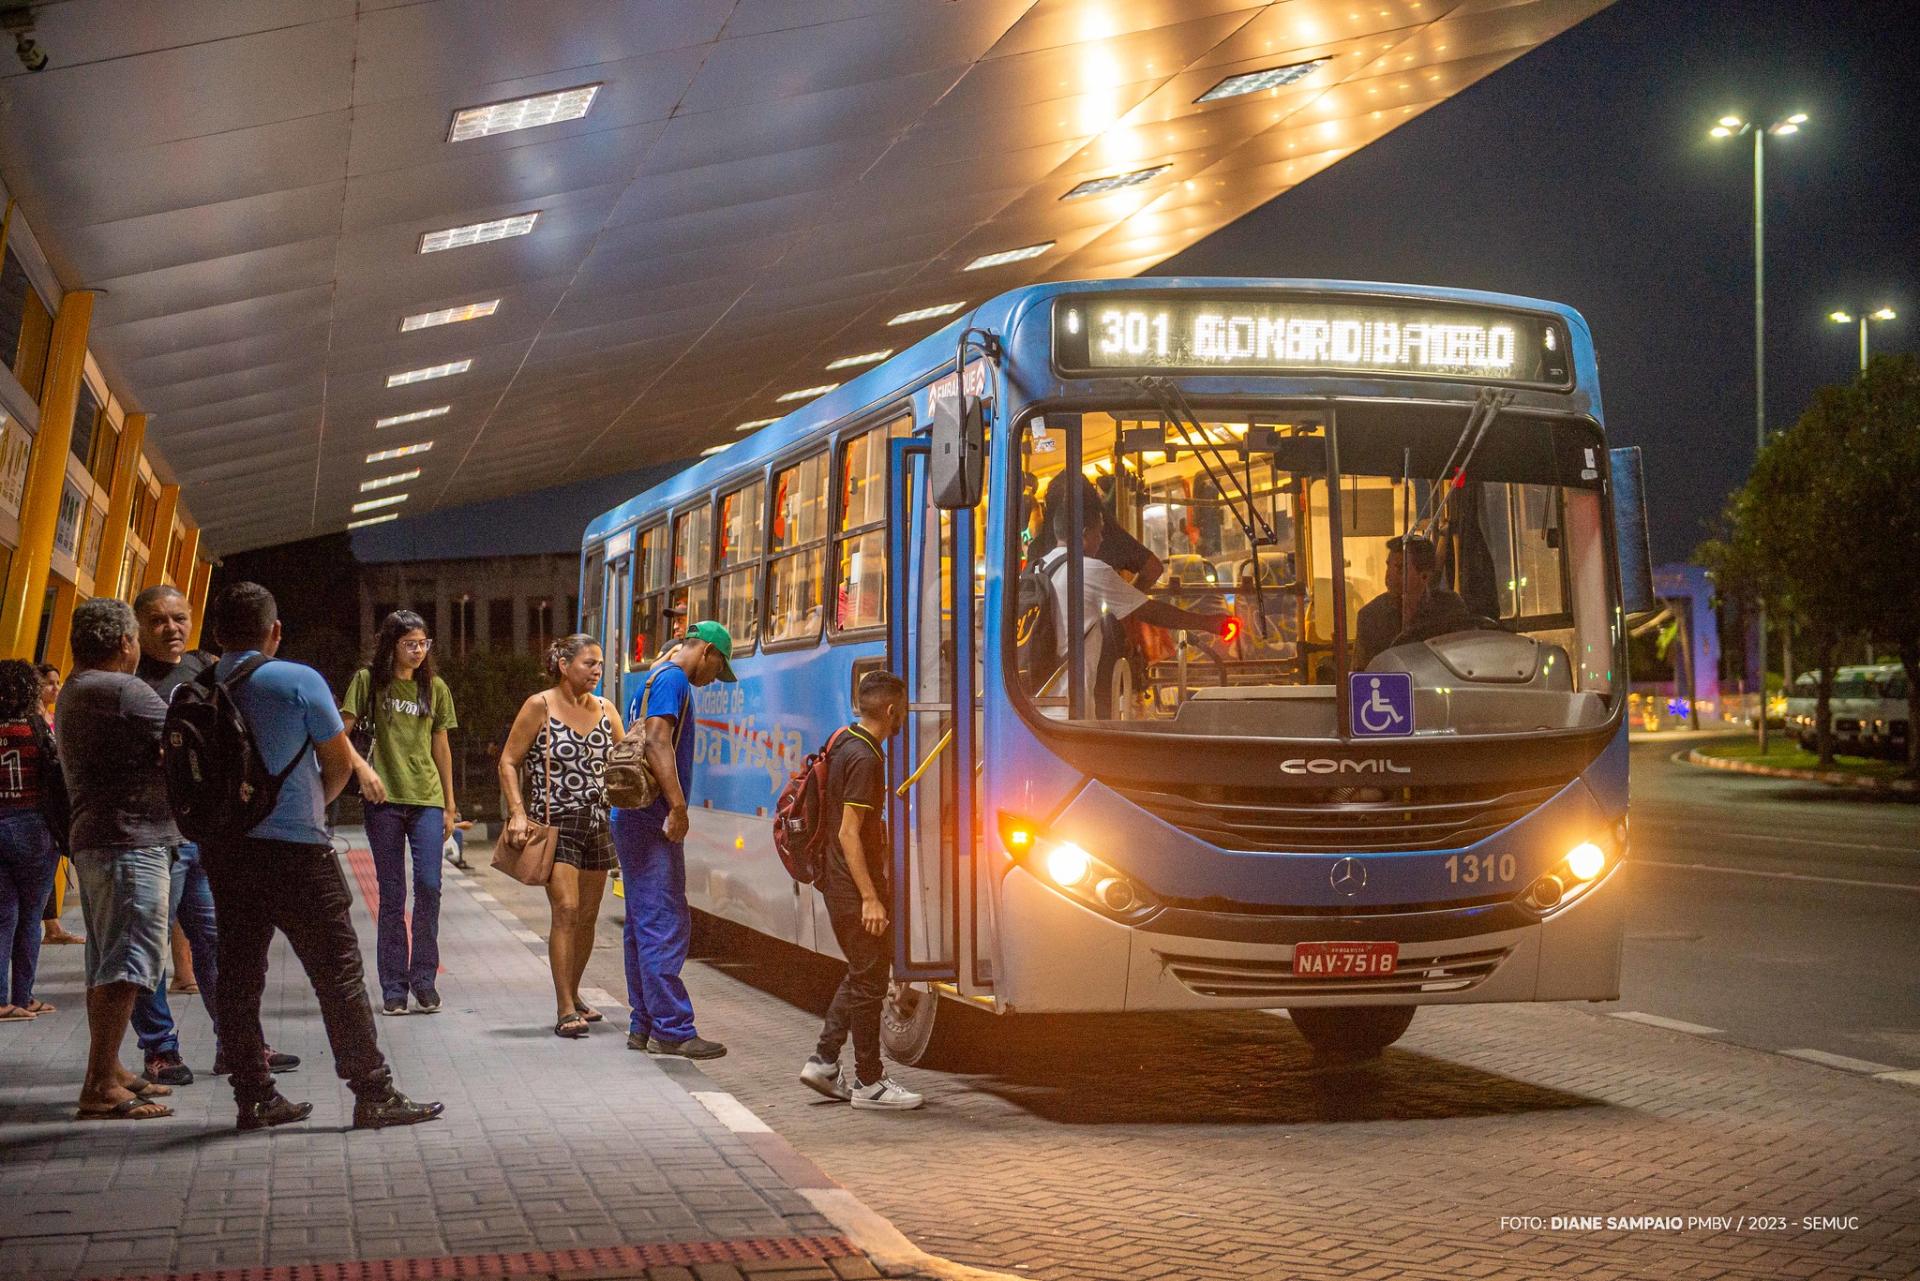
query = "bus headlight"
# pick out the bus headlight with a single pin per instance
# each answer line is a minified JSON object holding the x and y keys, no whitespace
{"x":1074,"y":872}
{"x":1586,"y":860}
{"x":1068,"y":865}
{"x":1576,"y":873}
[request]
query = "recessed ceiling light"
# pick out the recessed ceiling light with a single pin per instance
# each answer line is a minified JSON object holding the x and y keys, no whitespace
{"x":431,"y":371}
{"x":478,"y":233}
{"x":807,"y":393}
{"x":712,"y":450}
{"x":1255,"y":81}
{"x":372,"y":520}
{"x":926,"y":313}
{"x":1115,"y":182}
{"x":1006,"y":256}
{"x":413,"y":417}
{"x":756,"y":424}
{"x":450,"y":316}
{"x":369,"y":504}
{"x":383,"y":482}
{"x":864,"y":358}
{"x":405,"y":451}
{"x":522,"y":113}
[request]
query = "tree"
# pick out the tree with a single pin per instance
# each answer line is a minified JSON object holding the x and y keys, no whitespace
{"x":1883,"y":567}
{"x":1788,"y":532}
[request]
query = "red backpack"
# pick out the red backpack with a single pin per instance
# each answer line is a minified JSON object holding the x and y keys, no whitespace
{"x":801,"y":825}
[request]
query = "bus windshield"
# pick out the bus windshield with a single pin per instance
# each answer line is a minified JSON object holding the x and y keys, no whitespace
{"x":1210,"y":601}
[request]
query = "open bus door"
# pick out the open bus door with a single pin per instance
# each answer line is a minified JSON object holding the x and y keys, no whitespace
{"x":929,"y":623}
{"x":615,"y":615}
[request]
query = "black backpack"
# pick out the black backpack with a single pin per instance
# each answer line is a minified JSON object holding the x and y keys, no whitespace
{"x":218,"y":786}
{"x":1036,"y":624}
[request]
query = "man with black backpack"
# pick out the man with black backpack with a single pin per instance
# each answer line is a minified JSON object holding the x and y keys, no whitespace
{"x":256,"y":750}
{"x":853,"y":879}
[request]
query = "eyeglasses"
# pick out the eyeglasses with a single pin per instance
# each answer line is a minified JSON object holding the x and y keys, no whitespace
{"x":422,"y":645}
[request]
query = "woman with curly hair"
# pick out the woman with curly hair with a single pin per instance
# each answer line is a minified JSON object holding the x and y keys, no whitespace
{"x":28,"y":854}
{"x":562,"y":736}
{"x":409,"y":711}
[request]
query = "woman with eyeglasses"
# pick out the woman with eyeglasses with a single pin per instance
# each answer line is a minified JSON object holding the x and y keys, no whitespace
{"x":409,"y":710}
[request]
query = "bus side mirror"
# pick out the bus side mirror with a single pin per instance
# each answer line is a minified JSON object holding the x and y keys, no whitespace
{"x":958,"y":465}
{"x":1630,"y":532}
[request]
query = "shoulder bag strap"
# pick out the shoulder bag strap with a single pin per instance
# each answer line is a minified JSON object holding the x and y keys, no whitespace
{"x":546,"y":770}
{"x":241,"y":675}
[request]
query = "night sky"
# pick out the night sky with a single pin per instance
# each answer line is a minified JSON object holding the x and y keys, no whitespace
{"x":1582,"y":173}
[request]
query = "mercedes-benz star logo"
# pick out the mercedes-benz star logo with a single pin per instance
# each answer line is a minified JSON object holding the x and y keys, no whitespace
{"x":1348,"y":875}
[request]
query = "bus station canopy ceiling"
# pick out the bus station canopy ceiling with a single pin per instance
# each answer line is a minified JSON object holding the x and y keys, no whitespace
{"x":757,"y":188}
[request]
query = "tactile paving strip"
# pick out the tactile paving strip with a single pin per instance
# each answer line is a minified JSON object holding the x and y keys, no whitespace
{"x":576,"y":1265}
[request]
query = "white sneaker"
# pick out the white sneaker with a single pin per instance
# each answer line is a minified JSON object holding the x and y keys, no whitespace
{"x":885,"y":1094}
{"x":825,"y":1078}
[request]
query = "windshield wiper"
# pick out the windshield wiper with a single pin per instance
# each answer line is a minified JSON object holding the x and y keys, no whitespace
{"x":1486,"y":407}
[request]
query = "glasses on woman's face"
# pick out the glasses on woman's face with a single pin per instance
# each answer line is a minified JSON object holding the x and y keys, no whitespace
{"x":417,"y":645}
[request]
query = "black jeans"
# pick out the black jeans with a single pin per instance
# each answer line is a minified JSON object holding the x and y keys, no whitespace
{"x":260,"y":886}
{"x":856,"y":1006}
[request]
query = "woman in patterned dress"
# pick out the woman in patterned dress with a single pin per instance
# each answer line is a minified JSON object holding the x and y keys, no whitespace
{"x":562,"y":736}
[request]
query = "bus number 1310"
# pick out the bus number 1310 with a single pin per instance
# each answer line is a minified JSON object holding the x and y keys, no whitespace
{"x":1472,"y":870}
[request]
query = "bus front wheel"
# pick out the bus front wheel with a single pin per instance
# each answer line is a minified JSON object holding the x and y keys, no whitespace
{"x":919,"y":1027}
{"x":1352,"y":1032}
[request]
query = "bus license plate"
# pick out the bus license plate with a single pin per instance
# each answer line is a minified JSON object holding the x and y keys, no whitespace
{"x":1344,"y":960}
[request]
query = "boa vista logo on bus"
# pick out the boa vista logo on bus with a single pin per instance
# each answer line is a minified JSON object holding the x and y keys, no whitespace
{"x":1308,"y":335}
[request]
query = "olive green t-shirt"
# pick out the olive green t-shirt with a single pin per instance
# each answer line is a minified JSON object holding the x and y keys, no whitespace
{"x":402,"y":737}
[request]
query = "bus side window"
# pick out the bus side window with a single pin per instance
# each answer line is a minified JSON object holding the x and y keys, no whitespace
{"x":860,"y":547}
{"x":797,"y":552}
{"x":648,"y":631}
{"x":735,"y":567}
{"x":692,"y":558}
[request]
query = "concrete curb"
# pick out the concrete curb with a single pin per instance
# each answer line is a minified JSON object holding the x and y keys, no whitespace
{"x":1832,"y":778}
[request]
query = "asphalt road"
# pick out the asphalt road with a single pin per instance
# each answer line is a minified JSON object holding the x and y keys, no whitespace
{"x":1784,"y":915}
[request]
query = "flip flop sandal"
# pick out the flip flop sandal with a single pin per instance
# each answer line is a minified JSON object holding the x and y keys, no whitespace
{"x":14,"y":1014}
{"x":125,"y":1110}
{"x":145,"y":1089}
{"x":572,"y":1026}
{"x":40,"y":1007}
{"x":588,"y":1013}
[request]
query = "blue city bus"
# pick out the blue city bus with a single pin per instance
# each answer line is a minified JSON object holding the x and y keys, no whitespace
{"x":1283,"y":811}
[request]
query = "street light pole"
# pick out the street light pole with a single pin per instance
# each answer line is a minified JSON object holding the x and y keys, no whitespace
{"x":1842,"y":318}
{"x":1731,"y":127}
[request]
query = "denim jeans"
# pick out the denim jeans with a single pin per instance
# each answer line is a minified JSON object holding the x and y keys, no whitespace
{"x":27,"y":861}
{"x":123,"y":899}
{"x":391,"y":831}
{"x":190,"y":904}
{"x":260,"y":886}
{"x":856,"y":1005}
{"x":658,"y":928}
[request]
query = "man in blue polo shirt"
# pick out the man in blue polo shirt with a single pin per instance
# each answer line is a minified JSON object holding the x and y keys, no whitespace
{"x":283,"y":875}
{"x":651,"y":845}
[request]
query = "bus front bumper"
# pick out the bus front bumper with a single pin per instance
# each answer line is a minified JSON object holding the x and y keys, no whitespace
{"x":1075,"y":959}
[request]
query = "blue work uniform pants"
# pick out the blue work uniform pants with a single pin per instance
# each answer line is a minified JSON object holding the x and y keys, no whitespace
{"x":659,"y":925}
{"x":391,"y":831}
{"x":27,"y":863}
{"x":190,"y":902}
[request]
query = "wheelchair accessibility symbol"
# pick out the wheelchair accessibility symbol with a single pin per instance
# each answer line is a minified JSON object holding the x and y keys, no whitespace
{"x":1381,"y":703}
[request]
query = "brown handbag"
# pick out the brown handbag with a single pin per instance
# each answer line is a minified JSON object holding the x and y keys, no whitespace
{"x":532,"y":862}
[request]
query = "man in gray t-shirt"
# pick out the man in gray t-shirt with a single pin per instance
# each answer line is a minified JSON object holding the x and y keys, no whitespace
{"x":109,"y":723}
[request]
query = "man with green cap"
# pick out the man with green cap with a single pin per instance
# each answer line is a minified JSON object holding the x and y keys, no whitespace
{"x":651,"y":846}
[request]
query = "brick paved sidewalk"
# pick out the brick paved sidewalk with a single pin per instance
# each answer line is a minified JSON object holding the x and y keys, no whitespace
{"x":555,"y":1158}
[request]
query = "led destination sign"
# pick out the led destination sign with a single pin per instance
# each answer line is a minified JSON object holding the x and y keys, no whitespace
{"x":1309,"y":334}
